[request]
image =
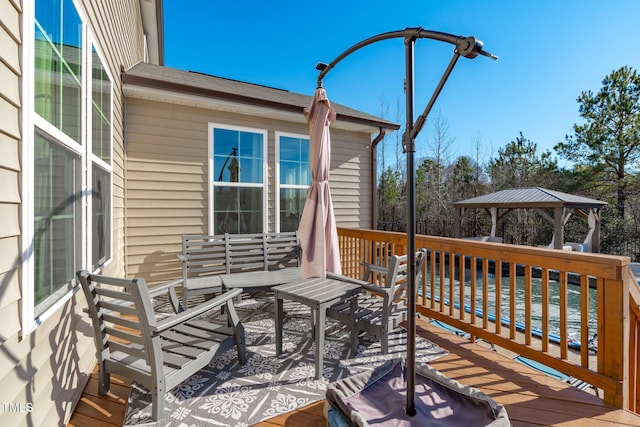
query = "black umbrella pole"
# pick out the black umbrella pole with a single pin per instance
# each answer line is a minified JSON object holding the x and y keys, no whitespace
{"x":409,"y":147}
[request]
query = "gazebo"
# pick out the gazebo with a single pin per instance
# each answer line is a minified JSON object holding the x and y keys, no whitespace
{"x":501,"y":203}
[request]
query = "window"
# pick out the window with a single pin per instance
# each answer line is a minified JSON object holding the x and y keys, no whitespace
{"x":294,"y":178}
{"x":68,"y":160}
{"x":58,"y":66}
{"x":238,"y":176}
{"x":100,"y":162}
{"x":57,"y":219}
{"x":100,"y":217}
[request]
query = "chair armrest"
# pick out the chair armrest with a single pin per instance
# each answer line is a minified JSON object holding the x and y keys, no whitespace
{"x":345,"y":279}
{"x":375,"y":289}
{"x":196,"y":311}
{"x":160,"y":289}
{"x":375,"y":268}
{"x":365,"y":285}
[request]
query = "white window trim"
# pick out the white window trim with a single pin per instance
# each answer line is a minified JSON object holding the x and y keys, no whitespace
{"x":92,"y":158}
{"x":28,"y":62}
{"x":31,"y":120}
{"x":278,"y":186}
{"x":265,"y":164}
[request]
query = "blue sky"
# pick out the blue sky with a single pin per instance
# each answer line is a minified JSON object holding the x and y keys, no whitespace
{"x":549,"y":52}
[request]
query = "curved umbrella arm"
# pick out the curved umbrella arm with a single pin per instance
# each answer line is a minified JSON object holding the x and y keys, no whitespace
{"x":469,"y":47}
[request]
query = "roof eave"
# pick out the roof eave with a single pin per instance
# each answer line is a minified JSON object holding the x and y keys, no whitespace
{"x":509,"y":205}
{"x":153,"y":27}
{"x":142,"y":81}
{"x":521,"y":205}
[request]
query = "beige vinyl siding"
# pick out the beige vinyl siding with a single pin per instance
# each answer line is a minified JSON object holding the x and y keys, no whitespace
{"x":167,"y":179}
{"x":350,"y":178}
{"x":9,"y":151}
{"x":49,"y":367}
{"x":10,"y":291}
{"x":10,"y":248}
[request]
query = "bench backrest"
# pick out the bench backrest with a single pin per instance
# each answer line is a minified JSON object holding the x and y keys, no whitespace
{"x":232,"y":253}
{"x":244,"y":252}
{"x":282,"y":250}
{"x":203,"y":255}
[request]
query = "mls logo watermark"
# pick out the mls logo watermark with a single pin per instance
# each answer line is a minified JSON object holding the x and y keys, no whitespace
{"x":17,"y":407}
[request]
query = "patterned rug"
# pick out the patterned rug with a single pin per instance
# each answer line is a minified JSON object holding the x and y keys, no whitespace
{"x":228,"y":394}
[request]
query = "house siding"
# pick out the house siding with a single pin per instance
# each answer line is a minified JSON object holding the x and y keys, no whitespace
{"x":49,"y":368}
{"x":11,"y":350}
{"x":167,"y":179}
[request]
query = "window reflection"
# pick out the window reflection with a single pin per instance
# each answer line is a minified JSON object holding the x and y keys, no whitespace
{"x":245,"y":148}
{"x":100,"y":109}
{"x":58,"y":65}
{"x":295,"y":177}
{"x":57,"y":204}
{"x":237,"y":210}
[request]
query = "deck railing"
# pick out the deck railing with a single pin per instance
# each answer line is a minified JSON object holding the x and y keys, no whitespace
{"x":552,"y":302}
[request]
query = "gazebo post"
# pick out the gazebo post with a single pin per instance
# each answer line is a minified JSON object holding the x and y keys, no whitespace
{"x":558,"y":228}
{"x":594,"y":244}
{"x":458,"y":222}
{"x":494,"y":221}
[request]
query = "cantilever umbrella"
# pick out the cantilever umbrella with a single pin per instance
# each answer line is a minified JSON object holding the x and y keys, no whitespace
{"x":317,"y":229}
{"x":468,"y":47}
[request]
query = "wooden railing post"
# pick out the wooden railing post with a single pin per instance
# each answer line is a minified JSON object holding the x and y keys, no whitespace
{"x":613,"y":337}
{"x":633,"y":360}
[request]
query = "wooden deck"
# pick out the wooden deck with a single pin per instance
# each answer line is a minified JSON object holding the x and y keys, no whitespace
{"x":531,"y":398}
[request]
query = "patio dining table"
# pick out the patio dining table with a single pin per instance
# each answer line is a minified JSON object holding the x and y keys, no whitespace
{"x":318,"y":294}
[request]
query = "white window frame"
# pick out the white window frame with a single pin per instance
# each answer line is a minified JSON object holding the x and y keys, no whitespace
{"x":30,"y":121}
{"x":91,"y":157}
{"x":212,"y":178}
{"x":278,"y":185}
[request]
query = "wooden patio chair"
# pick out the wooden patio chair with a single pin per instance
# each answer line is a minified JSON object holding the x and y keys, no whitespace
{"x":382,"y":302}
{"x":157,"y":354}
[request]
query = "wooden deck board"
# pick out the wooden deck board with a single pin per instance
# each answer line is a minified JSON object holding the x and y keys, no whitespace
{"x":530,"y":397}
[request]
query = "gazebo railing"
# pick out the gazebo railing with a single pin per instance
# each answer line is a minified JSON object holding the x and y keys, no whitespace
{"x":552,"y":302}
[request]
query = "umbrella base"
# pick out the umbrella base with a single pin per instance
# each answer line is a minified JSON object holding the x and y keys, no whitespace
{"x":378,"y":398}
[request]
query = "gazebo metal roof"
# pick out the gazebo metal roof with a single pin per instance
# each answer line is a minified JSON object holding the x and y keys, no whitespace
{"x":532,"y":197}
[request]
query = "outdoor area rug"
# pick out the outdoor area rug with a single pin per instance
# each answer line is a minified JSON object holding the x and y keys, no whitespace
{"x":228,"y":394}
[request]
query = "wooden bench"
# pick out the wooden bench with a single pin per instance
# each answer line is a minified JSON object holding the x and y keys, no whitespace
{"x":206,"y":258}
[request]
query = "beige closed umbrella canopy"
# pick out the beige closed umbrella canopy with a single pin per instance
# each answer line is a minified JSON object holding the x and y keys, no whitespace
{"x":317,"y":229}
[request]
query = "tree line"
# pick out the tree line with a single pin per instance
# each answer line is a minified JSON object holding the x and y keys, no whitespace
{"x":604,"y":151}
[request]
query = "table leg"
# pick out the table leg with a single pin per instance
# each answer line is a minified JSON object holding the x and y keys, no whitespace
{"x":354,"y":325}
{"x":319,"y":330}
{"x":279,"y":315}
